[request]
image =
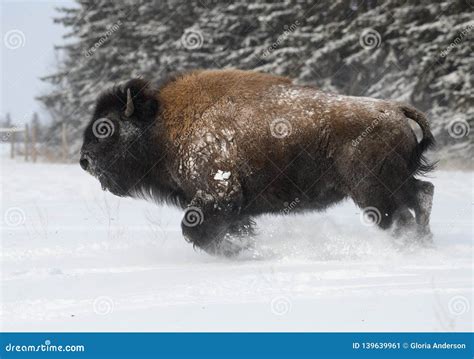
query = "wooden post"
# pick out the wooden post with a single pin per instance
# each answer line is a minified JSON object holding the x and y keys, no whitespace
{"x":33,"y":142}
{"x":27,"y":140}
{"x":12,"y":144}
{"x":64,"y":142}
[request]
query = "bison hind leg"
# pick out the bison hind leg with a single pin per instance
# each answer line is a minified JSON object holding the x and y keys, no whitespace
{"x":423,"y":202}
{"x":417,"y":196}
{"x":389,"y":214}
{"x":382,"y":208}
{"x":404,"y":222}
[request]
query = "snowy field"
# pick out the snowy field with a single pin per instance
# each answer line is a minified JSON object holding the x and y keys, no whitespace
{"x":77,"y":259}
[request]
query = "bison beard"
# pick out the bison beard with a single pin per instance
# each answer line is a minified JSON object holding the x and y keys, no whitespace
{"x":229,"y":145}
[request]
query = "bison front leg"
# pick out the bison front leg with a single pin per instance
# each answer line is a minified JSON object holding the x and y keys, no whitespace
{"x":210,"y":223}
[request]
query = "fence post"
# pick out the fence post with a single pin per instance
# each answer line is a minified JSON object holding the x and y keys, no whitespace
{"x":12,"y":144}
{"x":33,"y":142}
{"x":27,"y":140}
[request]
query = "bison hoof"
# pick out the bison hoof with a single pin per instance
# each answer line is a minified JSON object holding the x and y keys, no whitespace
{"x":228,"y":246}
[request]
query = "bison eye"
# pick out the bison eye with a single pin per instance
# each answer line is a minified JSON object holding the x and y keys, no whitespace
{"x":103,"y":128}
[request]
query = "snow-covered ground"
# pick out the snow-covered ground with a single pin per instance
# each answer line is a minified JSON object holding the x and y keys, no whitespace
{"x":77,"y":259}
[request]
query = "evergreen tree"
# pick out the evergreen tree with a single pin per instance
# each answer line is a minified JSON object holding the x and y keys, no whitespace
{"x":36,"y":124}
{"x":416,"y":52}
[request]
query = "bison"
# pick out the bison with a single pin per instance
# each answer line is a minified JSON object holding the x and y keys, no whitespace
{"x":229,"y":145}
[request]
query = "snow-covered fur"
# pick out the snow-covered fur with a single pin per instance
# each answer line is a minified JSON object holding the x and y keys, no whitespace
{"x":227,"y":145}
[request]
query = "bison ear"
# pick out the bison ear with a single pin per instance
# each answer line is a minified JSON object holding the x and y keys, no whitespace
{"x":140,"y":99}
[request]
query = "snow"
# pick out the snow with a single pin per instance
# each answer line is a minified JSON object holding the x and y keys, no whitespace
{"x":221,"y":175}
{"x":81,"y":260}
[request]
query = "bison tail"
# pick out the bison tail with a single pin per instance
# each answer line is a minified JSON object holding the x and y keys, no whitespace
{"x":419,"y":164}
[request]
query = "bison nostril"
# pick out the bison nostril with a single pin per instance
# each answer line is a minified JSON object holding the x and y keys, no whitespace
{"x":84,"y":163}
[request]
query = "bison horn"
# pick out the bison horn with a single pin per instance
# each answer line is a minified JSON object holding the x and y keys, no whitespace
{"x":129,"y":110}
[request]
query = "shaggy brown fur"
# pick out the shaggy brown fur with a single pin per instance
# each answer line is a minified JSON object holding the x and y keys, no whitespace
{"x":228,"y":145}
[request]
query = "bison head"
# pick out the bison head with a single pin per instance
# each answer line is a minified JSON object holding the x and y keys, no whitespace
{"x":117,"y":147}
